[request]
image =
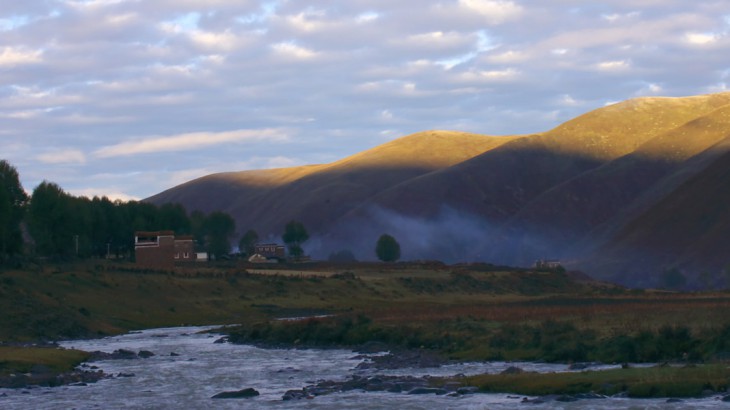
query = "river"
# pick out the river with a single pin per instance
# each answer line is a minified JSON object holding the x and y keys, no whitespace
{"x":189,"y":368}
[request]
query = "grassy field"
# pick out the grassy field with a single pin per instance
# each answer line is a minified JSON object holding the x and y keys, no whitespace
{"x":15,"y":359}
{"x":465,"y":312}
{"x":666,"y":381}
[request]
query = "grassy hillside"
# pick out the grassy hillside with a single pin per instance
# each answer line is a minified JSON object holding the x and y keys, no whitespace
{"x":266,"y":200}
{"x":691,"y":224}
{"x":465,"y":197}
{"x":577,"y":213}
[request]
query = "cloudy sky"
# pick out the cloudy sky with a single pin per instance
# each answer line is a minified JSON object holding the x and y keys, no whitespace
{"x":126,"y":98}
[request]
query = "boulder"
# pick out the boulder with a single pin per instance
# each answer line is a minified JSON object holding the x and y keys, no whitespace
{"x":467,"y":390}
{"x":240,"y":394}
{"x":428,"y":390}
{"x":512,"y":370}
{"x":295,"y":395}
{"x":145,"y":354}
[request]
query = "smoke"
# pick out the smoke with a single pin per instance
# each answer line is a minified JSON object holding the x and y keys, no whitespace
{"x":450,"y":236}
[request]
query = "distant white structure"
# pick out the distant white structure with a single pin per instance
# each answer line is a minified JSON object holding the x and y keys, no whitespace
{"x":547,"y":264}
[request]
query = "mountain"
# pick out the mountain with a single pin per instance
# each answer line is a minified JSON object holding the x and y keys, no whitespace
{"x":265,"y":200}
{"x":603,"y":192}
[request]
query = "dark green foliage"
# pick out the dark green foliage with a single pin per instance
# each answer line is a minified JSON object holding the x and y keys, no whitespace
{"x":12,"y":207}
{"x":651,"y":382}
{"x":294,"y":236}
{"x":387,"y":248}
{"x":564,"y":342}
{"x":219,"y":227}
{"x":197,"y":222}
{"x":248,"y":242}
{"x":174,"y":217}
{"x":51,"y":221}
{"x":348,"y":330}
{"x":63,"y":225}
{"x":66,"y":226}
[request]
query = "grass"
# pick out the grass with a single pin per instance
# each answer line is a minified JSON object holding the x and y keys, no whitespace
{"x":15,"y":360}
{"x":465,"y":312}
{"x":690,"y":381}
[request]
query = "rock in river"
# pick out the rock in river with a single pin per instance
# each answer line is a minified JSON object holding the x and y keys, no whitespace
{"x":240,"y":394}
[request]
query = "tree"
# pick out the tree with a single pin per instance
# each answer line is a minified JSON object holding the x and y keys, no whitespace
{"x":247,"y":244}
{"x":294,"y":236}
{"x":13,"y":201}
{"x":197,"y":222}
{"x":387,"y":248}
{"x":173,"y":217}
{"x":219,"y":227}
{"x":49,"y":220}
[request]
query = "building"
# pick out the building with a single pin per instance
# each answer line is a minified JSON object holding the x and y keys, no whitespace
{"x":270,"y":250}
{"x":161,"y":249}
{"x":547,"y":264}
{"x":185,"y":249}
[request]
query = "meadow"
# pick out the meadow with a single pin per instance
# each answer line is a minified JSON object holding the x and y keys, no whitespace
{"x":462,"y":312}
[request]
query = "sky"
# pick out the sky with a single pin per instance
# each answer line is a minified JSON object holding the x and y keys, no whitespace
{"x":127,"y":98}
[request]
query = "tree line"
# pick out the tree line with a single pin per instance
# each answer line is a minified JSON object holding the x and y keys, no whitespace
{"x":61,"y":225}
{"x":53,"y":223}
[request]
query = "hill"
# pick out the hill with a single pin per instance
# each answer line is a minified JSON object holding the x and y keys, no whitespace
{"x":265,"y":200}
{"x":592,"y":189}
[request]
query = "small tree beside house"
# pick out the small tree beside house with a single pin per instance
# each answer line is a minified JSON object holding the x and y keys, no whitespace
{"x":294,"y":236}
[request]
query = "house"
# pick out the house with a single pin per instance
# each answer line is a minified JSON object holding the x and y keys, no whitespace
{"x":547,"y":264}
{"x":161,"y":249}
{"x":185,"y":248}
{"x":270,"y":250}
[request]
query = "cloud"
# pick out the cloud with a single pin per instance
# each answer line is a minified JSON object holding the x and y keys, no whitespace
{"x":490,"y":76}
{"x":11,"y":56}
{"x":496,"y":11}
{"x":289,"y":49}
{"x":104,"y":192}
{"x":701,"y":39}
{"x":613,"y":66}
{"x":187,"y":142}
{"x":340,"y":76}
{"x":62,"y":156}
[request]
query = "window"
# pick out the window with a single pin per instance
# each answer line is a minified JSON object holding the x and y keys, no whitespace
{"x":186,"y":255}
{"x":177,"y":255}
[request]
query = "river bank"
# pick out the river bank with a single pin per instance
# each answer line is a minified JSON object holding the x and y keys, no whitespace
{"x":187,"y":369}
{"x":460,"y":313}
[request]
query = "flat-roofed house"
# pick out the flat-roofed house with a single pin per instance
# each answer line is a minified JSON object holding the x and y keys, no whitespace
{"x":161,"y":249}
{"x":270,"y":250}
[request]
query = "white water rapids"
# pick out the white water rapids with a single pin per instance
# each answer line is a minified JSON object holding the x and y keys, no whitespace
{"x":201,"y":368}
